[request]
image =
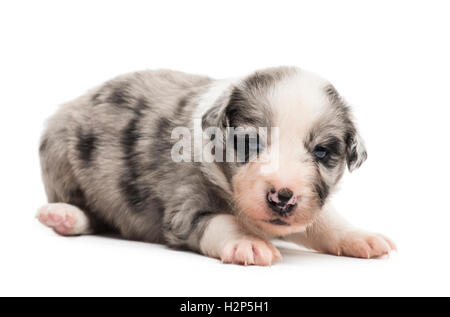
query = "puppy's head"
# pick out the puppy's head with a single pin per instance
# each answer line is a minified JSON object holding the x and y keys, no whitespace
{"x":298,"y":159}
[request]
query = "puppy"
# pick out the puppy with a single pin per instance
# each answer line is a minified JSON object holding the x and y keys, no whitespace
{"x":110,"y":163}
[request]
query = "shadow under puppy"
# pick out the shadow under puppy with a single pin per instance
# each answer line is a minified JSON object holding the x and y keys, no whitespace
{"x":108,"y":165}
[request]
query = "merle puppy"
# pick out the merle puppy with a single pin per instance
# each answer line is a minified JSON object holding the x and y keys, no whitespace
{"x":108,"y":165}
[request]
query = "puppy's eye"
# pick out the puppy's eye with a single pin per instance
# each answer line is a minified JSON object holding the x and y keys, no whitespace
{"x":247,"y":147}
{"x":254,"y":145}
{"x":320,"y":152}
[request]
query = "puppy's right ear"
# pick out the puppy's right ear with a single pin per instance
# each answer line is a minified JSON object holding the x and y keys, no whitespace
{"x":214,"y":117}
{"x":224,"y":109}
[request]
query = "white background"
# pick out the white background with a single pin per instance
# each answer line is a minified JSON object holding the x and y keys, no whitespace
{"x":390,"y":59}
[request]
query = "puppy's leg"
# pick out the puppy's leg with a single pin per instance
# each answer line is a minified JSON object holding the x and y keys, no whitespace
{"x":332,"y":234}
{"x":224,"y":238}
{"x":219,"y":236}
{"x":64,"y":219}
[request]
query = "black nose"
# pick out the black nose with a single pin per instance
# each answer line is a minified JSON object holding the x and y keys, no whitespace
{"x":285,"y":194}
{"x":282,"y":202}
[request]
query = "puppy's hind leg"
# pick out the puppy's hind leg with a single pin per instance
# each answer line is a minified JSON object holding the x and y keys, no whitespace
{"x":65,"y":219}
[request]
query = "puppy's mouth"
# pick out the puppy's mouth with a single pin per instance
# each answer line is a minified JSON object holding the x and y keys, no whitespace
{"x":277,"y":222}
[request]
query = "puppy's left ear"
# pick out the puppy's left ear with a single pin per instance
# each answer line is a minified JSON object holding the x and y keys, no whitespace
{"x":356,"y":151}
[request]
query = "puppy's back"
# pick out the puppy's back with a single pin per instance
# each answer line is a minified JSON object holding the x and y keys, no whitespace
{"x":106,"y":151}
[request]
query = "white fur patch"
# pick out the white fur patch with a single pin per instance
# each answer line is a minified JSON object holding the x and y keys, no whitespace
{"x":220,"y":229}
{"x":299,"y":97}
{"x":296,"y":101}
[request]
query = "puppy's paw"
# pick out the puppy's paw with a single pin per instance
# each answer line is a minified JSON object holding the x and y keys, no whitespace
{"x":249,"y":251}
{"x":63,"y":218}
{"x":363,"y":245}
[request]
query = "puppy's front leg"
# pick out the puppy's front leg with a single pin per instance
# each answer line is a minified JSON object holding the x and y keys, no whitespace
{"x":226,"y":239}
{"x":330,"y":233}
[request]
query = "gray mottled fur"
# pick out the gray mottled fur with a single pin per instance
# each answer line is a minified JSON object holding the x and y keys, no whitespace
{"x":108,"y":152}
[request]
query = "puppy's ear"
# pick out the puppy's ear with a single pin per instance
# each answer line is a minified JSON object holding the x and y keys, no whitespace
{"x":356,"y":151}
{"x":227,"y":109}
{"x":215,"y":117}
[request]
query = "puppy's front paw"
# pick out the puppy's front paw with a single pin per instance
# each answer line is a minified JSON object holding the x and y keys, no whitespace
{"x":363,"y":245}
{"x":249,"y":251}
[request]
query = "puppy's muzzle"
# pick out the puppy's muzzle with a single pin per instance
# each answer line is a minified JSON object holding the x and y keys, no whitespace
{"x":283,"y":202}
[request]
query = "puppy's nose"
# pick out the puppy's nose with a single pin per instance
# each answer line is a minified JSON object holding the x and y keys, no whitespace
{"x":285,"y":194}
{"x":282,"y":201}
